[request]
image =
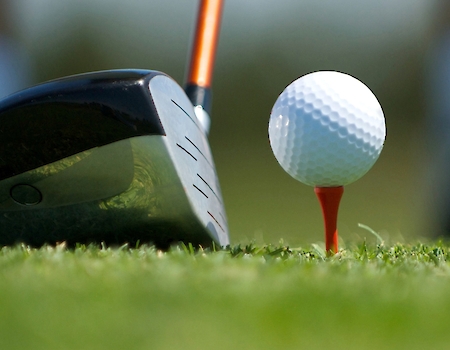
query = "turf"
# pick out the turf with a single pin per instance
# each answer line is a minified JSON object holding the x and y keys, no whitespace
{"x":247,"y":296}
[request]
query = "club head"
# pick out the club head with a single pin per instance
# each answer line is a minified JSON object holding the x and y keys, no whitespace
{"x":112,"y":156}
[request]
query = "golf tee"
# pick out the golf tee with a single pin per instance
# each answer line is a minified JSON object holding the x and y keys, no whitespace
{"x":329,"y":198}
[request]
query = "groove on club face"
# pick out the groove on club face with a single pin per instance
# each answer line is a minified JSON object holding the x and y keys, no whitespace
{"x":136,"y":187}
{"x":199,"y":151}
{"x":184,"y":149}
{"x":217,"y":222}
{"x":198,"y":189}
{"x":211,"y":189}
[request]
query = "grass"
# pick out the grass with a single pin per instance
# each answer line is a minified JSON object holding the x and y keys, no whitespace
{"x":248,"y":296}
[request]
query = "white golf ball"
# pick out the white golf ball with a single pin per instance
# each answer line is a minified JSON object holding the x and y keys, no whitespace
{"x":327,"y":129}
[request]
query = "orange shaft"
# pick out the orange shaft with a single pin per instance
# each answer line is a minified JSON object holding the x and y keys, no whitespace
{"x":329,"y":198}
{"x":205,"y":43}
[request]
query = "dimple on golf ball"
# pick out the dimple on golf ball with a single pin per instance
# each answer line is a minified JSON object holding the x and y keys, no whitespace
{"x":327,"y":129}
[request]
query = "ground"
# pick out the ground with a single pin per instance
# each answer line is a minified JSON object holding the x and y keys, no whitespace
{"x":246,"y":296}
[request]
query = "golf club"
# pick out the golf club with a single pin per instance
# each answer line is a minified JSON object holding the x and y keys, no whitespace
{"x":116,"y":156}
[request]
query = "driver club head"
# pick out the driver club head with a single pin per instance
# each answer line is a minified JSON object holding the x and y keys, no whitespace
{"x":112,"y":156}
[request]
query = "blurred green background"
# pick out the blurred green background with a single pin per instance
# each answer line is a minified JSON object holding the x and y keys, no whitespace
{"x":264,"y":46}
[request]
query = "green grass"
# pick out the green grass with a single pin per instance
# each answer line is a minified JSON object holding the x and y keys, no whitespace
{"x":248,"y":297}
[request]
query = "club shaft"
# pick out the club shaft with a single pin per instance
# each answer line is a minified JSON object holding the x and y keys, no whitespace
{"x":201,"y":66}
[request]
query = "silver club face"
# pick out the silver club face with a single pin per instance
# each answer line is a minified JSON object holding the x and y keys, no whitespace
{"x":189,"y":150}
{"x":114,"y":156}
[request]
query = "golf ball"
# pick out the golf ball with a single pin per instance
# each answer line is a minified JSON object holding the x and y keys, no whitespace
{"x":327,"y":129}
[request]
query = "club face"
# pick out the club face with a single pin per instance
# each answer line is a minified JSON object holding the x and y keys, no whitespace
{"x":114,"y":156}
